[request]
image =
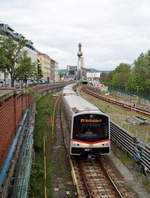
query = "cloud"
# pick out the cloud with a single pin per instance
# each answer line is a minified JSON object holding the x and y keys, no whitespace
{"x":111,"y":31}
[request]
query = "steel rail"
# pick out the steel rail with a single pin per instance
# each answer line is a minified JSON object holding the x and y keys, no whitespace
{"x":124,"y":105}
{"x":107,"y":185}
{"x":85,"y":182}
{"x":111,"y":180}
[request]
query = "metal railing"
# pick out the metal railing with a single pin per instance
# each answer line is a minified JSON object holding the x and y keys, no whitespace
{"x":21,"y":180}
{"x":137,"y":150}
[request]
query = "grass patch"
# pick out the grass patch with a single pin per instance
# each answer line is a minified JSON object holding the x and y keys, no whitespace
{"x":146,"y":183}
{"x":45,"y":107}
{"x":132,"y":166}
{"x":123,"y":156}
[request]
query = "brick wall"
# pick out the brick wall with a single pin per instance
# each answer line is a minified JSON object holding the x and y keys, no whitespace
{"x":11,"y":112}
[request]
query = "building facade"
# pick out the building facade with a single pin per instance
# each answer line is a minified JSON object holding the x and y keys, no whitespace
{"x":48,"y":67}
{"x":93,"y":76}
{"x":44,"y":62}
{"x":54,"y":68}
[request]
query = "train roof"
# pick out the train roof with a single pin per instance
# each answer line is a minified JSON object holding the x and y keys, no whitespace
{"x":78,"y":104}
{"x":70,"y":86}
{"x":68,"y":90}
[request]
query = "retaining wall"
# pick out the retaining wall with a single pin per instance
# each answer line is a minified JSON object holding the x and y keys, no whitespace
{"x":11,"y":112}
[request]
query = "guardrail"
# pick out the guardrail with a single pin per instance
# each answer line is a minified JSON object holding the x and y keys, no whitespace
{"x":21,"y":180}
{"x":137,"y":150}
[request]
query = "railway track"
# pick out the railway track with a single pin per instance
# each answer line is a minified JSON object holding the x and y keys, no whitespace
{"x":95,"y":181}
{"x":113,"y":101}
{"x":94,"y":178}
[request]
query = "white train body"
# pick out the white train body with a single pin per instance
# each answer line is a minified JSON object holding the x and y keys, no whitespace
{"x":88,"y":127}
{"x":68,"y":90}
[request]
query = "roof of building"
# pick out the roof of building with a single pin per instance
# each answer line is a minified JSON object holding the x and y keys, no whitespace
{"x":45,"y":55}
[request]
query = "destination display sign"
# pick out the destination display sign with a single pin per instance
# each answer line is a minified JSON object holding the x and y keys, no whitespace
{"x":90,"y":120}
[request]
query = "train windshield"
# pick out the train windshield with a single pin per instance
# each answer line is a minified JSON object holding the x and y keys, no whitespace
{"x":91,"y":127}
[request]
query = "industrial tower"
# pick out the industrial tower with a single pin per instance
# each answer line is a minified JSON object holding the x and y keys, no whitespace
{"x":80,"y":63}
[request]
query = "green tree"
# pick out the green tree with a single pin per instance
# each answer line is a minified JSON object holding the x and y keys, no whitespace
{"x":121,"y":75}
{"x":103,"y":77}
{"x":115,"y":79}
{"x":133,"y":83}
{"x":60,"y":75}
{"x":38,"y":72}
{"x":71,"y":72}
{"x":106,"y":77}
{"x":26,"y":68}
{"x":11,"y":56}
{"x":139,"y":80}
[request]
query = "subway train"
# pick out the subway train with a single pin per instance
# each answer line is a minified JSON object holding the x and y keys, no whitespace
{"x":87,"y":128}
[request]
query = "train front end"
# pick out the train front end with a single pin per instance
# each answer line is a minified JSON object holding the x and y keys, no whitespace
{"x":90,"y":134}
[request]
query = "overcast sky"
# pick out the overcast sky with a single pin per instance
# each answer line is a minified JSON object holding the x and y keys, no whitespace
{"x":111,"y":31}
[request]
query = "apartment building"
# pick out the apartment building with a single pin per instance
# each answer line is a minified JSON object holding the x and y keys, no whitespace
{"x":54,"y":68}
{"x":48,"y":67}
{"x":44,"y":62}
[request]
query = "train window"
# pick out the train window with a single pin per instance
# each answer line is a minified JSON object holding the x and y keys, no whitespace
{"x":91,"y":128}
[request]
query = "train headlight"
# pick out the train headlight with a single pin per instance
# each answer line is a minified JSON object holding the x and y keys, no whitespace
{"x":105,"y":144}
{"x":75,"y":144}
